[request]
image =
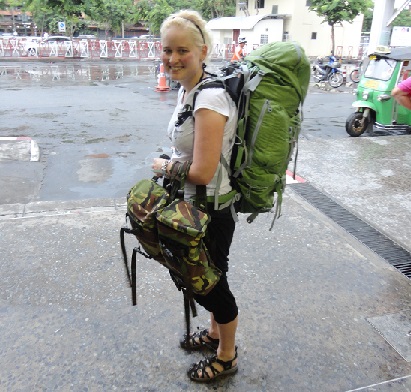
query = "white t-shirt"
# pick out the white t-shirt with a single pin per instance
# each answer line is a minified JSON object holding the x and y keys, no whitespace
{"x":182,"y":135}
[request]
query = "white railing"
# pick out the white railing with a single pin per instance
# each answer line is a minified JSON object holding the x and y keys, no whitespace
{"x":139,"y":49}
{"x":81,"y":48}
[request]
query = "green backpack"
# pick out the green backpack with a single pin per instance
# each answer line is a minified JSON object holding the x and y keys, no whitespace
{"x":269,"y":88}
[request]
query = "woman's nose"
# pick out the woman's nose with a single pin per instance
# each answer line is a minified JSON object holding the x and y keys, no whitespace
{"x":173,"y":57}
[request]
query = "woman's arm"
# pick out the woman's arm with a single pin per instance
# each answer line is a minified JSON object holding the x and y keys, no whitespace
{"x":402,"y":97}
{"x":208,"y":141}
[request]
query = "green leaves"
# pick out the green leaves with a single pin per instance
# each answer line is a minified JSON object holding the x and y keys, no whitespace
{"x":337,"y":11}
{"x":112,"y":14}
{"x":403,"y":19}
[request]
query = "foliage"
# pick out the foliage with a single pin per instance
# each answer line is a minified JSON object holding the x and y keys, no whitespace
{"x":47,"y":13}
{"x":111,"y":14}
{"x":41,"y":14}
{"x":366,"y":24}
{"x":403,"y":19}
{"x":218,"y":8}
{"x":66,"y":7}
{"x":338,"y":11}
{"x":155,"y":11}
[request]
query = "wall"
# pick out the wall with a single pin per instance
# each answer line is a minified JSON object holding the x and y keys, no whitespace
{"x":300,"y":23}
{"x":270,"y":27}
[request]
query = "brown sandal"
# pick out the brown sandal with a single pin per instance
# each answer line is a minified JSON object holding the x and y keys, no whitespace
{"x":196,"y":341}
{"x":204,"y":376}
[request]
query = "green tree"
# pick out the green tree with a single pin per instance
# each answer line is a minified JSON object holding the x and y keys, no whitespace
{"x":41,"y":14}
{"x":47,"y":13}
{"x":338,"y":11}
{"x":153,"y":12}
{"x":12,"y":6}
{"x":366,"y":24}
{"x":211,"y":9}
{"x":111,"y":14}
{"x":403,"y":19}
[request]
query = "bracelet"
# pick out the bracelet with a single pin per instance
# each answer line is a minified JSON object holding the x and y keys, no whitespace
{"x":164,"y":168}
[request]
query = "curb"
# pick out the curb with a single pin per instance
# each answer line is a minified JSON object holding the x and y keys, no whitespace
{"x":60,"y":208}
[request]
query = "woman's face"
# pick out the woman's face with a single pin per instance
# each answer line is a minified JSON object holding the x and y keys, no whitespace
{"x":182,"y":59}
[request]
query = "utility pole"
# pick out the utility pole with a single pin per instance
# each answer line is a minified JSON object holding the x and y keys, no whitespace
{"x":383,"y":16}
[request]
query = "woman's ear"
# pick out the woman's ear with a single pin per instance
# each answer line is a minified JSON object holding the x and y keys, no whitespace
{"x":204,"y":51}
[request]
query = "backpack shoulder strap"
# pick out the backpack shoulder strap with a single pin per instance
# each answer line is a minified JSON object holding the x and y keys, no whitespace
{"x":230,"y":84}
{"x":206,"y":84}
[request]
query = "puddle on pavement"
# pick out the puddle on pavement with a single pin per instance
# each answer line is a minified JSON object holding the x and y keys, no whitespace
{"x":78,"y":73}
{"x":73,"y":73}
{"x":97,"y":176}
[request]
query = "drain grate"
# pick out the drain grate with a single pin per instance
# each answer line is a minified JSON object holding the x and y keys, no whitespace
{"x":363,"y":232}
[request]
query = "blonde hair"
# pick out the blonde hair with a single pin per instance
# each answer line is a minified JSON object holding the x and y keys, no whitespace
{"x":192,"y":21}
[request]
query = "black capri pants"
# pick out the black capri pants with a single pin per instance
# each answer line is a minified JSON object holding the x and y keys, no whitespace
{"x":220,"y":301}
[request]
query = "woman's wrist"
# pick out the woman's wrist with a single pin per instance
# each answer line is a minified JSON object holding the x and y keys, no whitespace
{"x":164,"y":168}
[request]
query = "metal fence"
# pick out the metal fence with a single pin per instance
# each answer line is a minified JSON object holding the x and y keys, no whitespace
{"x":95,"y":49}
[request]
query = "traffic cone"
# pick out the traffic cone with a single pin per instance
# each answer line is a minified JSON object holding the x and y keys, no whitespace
{"x":162,"y":81}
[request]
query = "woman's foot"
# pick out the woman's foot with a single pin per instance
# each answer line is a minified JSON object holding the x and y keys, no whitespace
{"x":209,"y":369}
{"x":199,"y":340}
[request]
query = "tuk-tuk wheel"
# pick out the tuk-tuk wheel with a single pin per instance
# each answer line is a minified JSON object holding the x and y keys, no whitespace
{"x":356,"y":124}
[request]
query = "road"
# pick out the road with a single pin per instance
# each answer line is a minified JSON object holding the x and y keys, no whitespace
{"x":96,"y":123}
{"x":322,"y":306}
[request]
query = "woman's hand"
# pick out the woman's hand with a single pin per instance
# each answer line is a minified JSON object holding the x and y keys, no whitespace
{"x":160,"y":166}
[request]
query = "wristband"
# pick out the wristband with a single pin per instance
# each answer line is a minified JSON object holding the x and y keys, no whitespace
{"x":164,"y":168}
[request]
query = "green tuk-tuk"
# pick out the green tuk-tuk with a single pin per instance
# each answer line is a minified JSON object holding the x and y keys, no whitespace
{"x":375,"y":107}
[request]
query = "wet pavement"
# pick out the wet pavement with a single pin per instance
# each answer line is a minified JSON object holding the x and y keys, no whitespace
{"x":319,"y":310}
{"x":91,"y":130}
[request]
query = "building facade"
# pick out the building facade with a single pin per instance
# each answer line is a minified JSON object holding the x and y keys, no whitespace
{"x":262,"y":21}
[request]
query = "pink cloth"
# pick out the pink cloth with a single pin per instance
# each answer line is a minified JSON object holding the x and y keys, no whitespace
{"x":405,"y":86}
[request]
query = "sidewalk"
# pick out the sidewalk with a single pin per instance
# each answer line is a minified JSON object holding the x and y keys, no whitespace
{"x":319,"y":311}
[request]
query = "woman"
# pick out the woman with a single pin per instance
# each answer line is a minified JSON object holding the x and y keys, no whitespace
{"x":202,"y":138}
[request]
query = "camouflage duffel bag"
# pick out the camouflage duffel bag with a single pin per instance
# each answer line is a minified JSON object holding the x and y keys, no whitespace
{"x":144,"y":200}
{"x":181,"y":229}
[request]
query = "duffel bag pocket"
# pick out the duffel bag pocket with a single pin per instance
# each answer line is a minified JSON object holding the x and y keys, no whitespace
{"x":181,"y":229}
{"x":144,"y":201}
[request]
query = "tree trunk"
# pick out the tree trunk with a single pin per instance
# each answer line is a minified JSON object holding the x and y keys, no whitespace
{"x":332,"y":40}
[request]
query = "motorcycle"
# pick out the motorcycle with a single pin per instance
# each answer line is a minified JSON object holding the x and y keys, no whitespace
{"x":355,"y":74}
{"x":328,"y":72}
{"x":375,"y":107}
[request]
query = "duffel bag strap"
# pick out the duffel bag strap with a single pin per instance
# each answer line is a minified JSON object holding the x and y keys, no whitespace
{"x":177,"y":176}
{"x":201,"y":197}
